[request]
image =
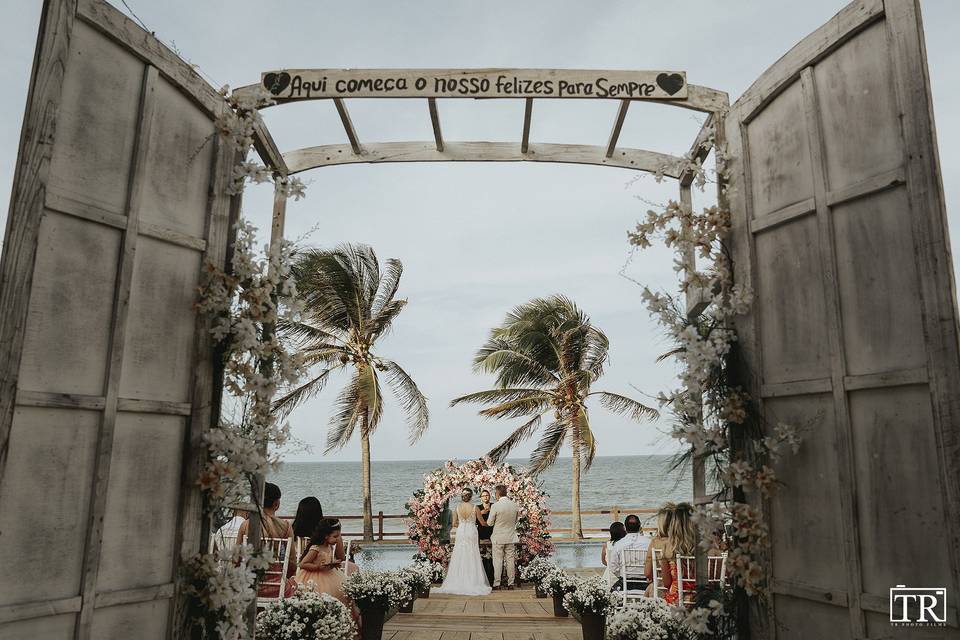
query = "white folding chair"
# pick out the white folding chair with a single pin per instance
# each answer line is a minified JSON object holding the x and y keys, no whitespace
{"x":686,"y":573}
{"x":346,"y":559}
{"x":631,"y":566}
{"x":717,"y":570}
{"x":658,"y":589}
{"x":279,"y":550}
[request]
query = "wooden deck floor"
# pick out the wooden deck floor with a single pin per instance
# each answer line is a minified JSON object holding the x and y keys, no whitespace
{"x":503,"y":615}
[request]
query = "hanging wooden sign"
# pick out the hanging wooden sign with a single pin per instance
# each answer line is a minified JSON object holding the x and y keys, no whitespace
{"x":312,"y":84}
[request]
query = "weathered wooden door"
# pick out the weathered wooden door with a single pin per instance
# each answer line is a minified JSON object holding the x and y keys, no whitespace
{"x":840,"y":228}
{"x":105,"y":371}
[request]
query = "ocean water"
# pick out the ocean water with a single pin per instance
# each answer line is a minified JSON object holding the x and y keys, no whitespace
{"x":624,"y":481}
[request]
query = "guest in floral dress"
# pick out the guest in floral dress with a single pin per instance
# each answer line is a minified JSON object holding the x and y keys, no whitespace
{"x":681,"y":541}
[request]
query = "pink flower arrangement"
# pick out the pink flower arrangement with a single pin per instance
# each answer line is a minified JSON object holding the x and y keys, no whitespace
{"x":426,"y":506}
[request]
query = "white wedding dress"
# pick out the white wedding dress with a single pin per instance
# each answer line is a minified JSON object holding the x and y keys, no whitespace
{"x":465,"y":574}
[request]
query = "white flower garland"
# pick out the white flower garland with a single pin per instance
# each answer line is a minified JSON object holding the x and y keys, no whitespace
{"x":306,"y":616}
{"x":706,"y":408}
{"x":243,"y":303}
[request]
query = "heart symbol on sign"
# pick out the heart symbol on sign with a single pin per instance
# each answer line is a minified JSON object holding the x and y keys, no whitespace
{"x":275,"y":83}
{"x":670,"y":82}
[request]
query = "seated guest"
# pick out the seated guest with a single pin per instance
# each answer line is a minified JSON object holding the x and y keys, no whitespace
{"x":227,"y":534}
{"x":681,"y":541}
{"x":319,"y":567}
{"x":634,"y":539}
{"x":617,"y":531}
{"x":273,"y":527}
{"x":663,"y":525}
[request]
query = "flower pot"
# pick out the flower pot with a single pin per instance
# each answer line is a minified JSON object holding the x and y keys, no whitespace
{"x":407,"y":607}
{"x":594,"y":626}
{"x":372,"y":619}
{"x":558,"y":609}
{"x":425,"y":593}
{"x":541,"y":593}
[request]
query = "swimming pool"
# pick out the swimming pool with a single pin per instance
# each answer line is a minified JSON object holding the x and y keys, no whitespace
{"x":383,"y":557}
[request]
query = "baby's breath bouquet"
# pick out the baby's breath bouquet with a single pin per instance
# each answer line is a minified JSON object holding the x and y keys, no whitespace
{"x":306,"y":616}
{"x":647,"y":619}
{"x":537,"y":570}
{"x":377,"y":589}
{"x":417,"y":577}
{"x":591,"y":596}
{"x":558,"y":583}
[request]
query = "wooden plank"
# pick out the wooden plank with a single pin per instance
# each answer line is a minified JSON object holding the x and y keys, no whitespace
{"x":59,"y":400}
{"x":94,"y":533}
{"x":886,"y":379}
{"x":850,"y":21}
{"x":163,"y":407}
{"x":782,"y":216}
{"x":797,"y":388}
{"x":61,"y":203}
{"x":32,"y":172}
{"x":173,"y":237}
{"x":617,"y":127}
{"x":810,"y":592}
{"x":133,"y":596}
{"x":267,"y":149}
{"x":928,"y":219}
{"x":435,"y":123}
{"x":838,"y":363}
{"x":701,"y":147}
{"x":527,"y":115}
{"x":330,"y":155}
{"x":870,"y":186}
{"x":348,"y":125}
{"x":27,"y":610}
{"x":121,"y":29}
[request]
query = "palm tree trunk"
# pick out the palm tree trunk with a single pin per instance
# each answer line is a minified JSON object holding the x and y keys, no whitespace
{"x":367,"y":502}
{"x":576,"y":524}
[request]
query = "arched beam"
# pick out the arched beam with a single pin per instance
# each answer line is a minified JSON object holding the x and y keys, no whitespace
{"x":336,"y":154}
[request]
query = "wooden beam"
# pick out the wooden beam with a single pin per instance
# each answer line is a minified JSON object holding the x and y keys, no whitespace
{"x":137,"y":179}
{"x":347,"y":125}
{"x":527,"y":114}
{"x":617,"y":126}
{"x":330,"y":155}
{"x":435,"y":121}
{"x":701,"y":148}
{"x":267,"y":149}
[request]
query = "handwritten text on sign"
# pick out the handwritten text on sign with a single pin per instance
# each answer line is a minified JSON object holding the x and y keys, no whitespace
{"x":306,"y":84}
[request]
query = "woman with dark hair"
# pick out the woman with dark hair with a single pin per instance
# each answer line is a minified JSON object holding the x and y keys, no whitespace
{"x":617,"y":532}
{"x":309,"y":514}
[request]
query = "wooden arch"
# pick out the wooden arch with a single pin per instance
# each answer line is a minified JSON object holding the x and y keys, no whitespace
{"x":295,"y":85}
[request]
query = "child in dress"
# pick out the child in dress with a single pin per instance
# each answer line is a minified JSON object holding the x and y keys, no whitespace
{"x":320,"y":569}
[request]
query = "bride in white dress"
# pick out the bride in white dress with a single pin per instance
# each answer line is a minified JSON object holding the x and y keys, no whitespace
{"x":465,"y":575}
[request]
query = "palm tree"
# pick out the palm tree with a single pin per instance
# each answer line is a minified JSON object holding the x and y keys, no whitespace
{"x":546,"y":355}
{"x":349,"y":303}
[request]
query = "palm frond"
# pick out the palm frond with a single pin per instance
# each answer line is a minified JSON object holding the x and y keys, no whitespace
{"x":626,"y":406}
{"x":349,"y":411}
{"x":521,"y":433}
{"x":548,"y":448}
{"x":387,"y":286}
{"x":414,"y":403}
{"x":380,"y":323}
{"x":584,"y":435}
{"x":289,"y":401}
{"x":518,"y":407}
{"x":304,"y":332}
{"x":512,"y":367}
{"x":670,"y":354}
{"x":495,"y":395}
{"x":368,"y":383}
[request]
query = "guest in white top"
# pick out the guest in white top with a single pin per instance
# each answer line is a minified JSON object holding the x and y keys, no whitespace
{"x":617,"y":531}
{"x":633,"y":540}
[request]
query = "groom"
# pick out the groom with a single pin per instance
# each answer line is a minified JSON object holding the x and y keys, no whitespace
{"x":503,"y":519}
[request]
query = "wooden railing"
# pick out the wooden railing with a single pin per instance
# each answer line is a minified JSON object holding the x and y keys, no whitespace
{"x":615,"y":513}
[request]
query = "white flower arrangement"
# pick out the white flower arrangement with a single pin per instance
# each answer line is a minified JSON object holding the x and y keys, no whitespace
{"x":418,"y":577}
{"x":537,"y":570}
{"x":435,"y":570}
{"x":591,"y":596}
{"x":377,"y":589}
{"x":557,"y":583}
{"x":648,"y":619}
{"x":306,"y":616}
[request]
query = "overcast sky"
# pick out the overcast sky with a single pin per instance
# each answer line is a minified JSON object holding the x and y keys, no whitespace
{"x":477,"y":239}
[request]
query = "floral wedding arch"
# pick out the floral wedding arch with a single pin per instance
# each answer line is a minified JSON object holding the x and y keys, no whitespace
{"x":427,"y":505}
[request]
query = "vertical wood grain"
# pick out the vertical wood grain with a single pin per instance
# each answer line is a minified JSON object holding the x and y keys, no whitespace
{"x":121,"y":305}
